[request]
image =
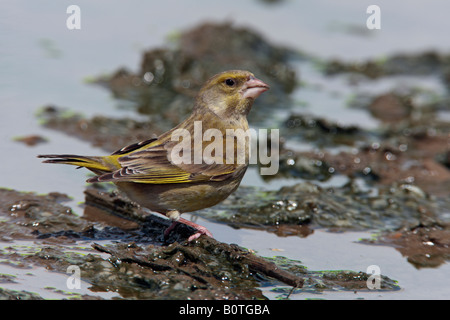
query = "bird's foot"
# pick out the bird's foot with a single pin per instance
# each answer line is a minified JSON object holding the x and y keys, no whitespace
{"x":201,"y":230}
{"x":170,"y":229}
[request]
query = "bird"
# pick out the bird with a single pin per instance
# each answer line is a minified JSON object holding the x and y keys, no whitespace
{"x":160,"y":175}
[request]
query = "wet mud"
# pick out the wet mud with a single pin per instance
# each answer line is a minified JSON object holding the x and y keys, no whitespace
{"x":141,"y":264}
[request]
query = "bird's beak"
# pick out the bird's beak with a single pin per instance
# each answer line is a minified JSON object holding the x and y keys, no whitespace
{"x":253,"y":87}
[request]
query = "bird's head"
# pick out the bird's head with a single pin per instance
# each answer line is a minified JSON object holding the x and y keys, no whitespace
{"x":231,"y":93}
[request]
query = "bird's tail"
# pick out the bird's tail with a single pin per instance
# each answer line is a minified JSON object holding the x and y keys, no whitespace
{"x":95,"y":164}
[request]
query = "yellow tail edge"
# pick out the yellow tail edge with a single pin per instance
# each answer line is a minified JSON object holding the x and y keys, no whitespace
{"x":92,"y":163}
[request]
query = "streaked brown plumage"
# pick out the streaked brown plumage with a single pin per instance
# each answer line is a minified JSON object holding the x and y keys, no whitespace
{"x":147,"y":172}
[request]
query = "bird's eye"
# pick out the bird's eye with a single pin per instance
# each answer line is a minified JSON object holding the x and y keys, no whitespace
{"x":230,"y":82}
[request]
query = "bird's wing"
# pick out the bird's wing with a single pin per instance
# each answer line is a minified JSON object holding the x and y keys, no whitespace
{"x":151,"y":162}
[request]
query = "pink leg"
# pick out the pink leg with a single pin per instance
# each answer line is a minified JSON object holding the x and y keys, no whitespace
{"x":170,"y":229}
{"x":201,"y":229}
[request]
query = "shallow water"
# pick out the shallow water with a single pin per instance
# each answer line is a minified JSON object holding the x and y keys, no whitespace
{"x":43,"y":62}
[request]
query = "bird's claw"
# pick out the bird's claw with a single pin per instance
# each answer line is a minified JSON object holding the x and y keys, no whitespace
{"x":201,"y":230}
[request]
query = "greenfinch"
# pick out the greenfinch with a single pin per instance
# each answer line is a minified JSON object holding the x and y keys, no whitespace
{"x":163,"y":175}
